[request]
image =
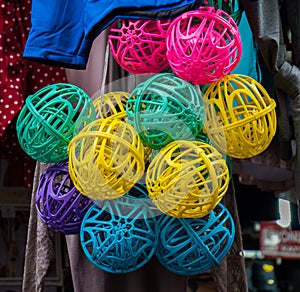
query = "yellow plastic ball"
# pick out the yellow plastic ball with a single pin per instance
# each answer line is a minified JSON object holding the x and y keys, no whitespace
{"x":187,"y":179}
{"x":240,"y":116}
{"x":111,"y":104}
{"x":106,"y":159}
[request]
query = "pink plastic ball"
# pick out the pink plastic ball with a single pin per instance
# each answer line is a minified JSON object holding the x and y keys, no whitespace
{"x":203,"y":45}
{"x":139,"y":46}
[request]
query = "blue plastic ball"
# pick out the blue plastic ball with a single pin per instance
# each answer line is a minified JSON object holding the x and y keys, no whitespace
{"x":119,"y":236}
{"x":192,"y":246}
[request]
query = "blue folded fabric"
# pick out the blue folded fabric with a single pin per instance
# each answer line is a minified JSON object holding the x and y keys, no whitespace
{"x":165,"y":12}
{"x":63,"y":32}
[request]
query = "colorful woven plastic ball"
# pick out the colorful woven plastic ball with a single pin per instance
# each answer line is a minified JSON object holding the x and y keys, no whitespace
{"x":106,"y":159}
{"x":203,"y":137}
{"x":49,"y":120}
{"x":241,"y":118}
{"x":139,"y":46}
{"x":232,"y":7}
{"x":120,"y":236}
{"x":112,"y":104}
{"x":191,"y":246}
{"x":165,"y":108}
{"x":187,"y":179}
{"x":59,"y":204}
{"x":203,"y":45}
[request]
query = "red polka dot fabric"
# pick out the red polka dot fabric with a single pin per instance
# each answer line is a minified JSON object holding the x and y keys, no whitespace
{"x":18,"y":79}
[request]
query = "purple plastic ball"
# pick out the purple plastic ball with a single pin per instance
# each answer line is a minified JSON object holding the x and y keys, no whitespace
{"x":59,"y":204}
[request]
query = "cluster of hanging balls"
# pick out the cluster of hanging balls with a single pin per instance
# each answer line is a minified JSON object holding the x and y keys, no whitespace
{"x":143,"y":173}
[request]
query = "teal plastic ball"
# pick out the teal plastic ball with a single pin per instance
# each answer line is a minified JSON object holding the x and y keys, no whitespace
{"x":165,"y":108}
{"x":50,"y":118}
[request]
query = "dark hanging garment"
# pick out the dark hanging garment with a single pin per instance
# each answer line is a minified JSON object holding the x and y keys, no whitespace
{"x":265,"y":20}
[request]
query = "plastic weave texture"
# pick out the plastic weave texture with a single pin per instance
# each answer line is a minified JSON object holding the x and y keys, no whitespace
{"x":139,"y":46}
{"x":187,"y":179}
{"x":50,"y":118}
{"x":59,"y":204}
{"x":119,"y":236}
{"x":165,"y":108}
{"x":203,"y":45}
{"x":106,"y":159}
{"x":192,"y":246}
{"x":240,"y":116}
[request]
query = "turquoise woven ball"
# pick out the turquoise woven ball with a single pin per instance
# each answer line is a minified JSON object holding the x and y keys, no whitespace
{"x":50,"y":118}
{"x":119,"y":236}
{"x":192,"y":246}
{"x":165,"y":108}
